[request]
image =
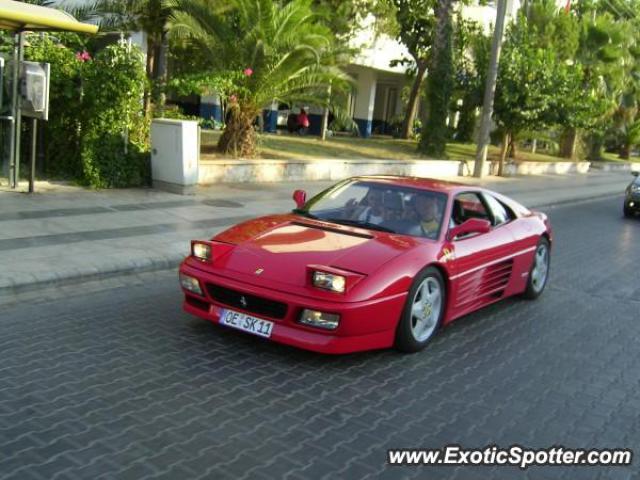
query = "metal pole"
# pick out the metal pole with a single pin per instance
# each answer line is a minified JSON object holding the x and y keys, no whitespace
{"x":14,"y":108}
{"x":18,"y":112}
{"x":2,"y":149}
{"x":1,"y":82}
{"x":34,"y":143}
{"x":490,"y":87}
{"x":325,"y":116}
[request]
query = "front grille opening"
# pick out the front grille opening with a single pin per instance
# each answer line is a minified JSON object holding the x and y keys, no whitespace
{"x":196,"y":303}
{"x":247,"y":302}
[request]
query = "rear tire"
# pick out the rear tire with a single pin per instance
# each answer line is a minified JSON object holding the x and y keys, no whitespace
{"x":539,"y":272}
{"x":423,"y":311}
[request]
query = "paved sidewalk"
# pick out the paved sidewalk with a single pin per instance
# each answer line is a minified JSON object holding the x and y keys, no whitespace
{"x":64,"y":234}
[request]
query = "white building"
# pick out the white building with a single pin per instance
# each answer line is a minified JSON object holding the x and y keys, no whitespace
{"x":377,"y":98}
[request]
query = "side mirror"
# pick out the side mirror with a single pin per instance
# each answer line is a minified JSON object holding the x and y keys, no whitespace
{"x":635,"y":173}
{"x":300,"y":197}
{"x":473,"y":225}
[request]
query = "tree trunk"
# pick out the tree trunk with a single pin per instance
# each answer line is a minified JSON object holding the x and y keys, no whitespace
{"x":595,"y":142}
{"x":150,"y":68}
{"x":161,"y":74}
{"x":534,"y":145}
{"x":625,"y":151}
{"x":325,"y":116}
{"x":569,"y":143}
{"x":512,"y":146}
{"x":503,"y":152}
{"x":467,"y":120}
{"x":412,"y":105}
{"x":239,"y":136}
{"x":433,"y":140}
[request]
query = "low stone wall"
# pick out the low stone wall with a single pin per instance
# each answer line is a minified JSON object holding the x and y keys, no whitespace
{"x":232,"y":171}
{"x":616,"y":166}
{"x":545,"y":168}
{"x":260,"y":171}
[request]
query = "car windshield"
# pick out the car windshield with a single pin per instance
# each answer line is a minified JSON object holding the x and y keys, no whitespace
{"x":379,"y":206}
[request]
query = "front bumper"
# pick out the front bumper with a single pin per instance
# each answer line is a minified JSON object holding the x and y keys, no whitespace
{"x":632,"y":202}
{"x":366,"y":325}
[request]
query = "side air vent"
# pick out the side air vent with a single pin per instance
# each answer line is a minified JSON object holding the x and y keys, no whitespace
{"x":488,"y":282}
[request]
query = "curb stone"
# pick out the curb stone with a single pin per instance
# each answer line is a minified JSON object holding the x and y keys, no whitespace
{"x":92,"y":274}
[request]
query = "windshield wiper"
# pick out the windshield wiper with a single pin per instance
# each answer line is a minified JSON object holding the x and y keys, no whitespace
{"x":304,"y":213}
{"x":358,"y":223}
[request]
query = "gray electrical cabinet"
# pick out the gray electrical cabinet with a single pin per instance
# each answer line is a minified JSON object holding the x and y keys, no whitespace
{"x":175,"y":153}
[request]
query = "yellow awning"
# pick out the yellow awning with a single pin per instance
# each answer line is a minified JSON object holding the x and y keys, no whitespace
{"x":24,"y":16}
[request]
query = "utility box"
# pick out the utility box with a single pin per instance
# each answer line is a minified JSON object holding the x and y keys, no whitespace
{"x":175,"y":153}
{"x":34,"y":89}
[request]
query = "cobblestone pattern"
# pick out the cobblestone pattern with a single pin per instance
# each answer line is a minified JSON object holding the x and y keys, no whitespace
{"x":121,"y":384}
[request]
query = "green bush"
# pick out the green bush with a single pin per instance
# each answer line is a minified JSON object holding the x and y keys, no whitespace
{"x":115,"y":133}
{"x":174,"y":112}
{"x":63,"y":129}
{"x":106,"y":165}
{"x":97,"y":132}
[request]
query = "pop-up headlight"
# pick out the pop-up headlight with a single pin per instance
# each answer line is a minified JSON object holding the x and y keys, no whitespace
{"x":329,"y":281}
{"x":201,"y":250}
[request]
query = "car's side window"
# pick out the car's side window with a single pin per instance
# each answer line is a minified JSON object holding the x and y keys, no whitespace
{"x":468,"y":205}
{"x":500,"y":212}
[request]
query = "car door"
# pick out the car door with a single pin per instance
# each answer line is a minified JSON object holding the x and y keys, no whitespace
{"x":479,"y":264}
{"x":525,"y":240}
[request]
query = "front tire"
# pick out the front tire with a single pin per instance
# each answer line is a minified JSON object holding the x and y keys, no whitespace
{"x":539,"y":273}
{"x":423,"y":311}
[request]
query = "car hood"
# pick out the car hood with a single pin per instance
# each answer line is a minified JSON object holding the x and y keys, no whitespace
{"x":281,"y":248}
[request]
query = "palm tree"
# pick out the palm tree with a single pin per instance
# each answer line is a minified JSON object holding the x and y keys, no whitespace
{"x":149,"y":16}
{"x":439,"y":83}
{"x":256,"y":52}
{"x":416,"y":22}
{"x":603,"y":58}
{"x":628,"y":126}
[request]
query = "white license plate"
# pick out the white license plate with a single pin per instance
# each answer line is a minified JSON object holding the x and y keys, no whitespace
{"x":246,"y":323}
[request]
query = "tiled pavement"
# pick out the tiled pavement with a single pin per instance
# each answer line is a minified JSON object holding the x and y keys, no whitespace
{"x":62,"y":234}
{"x":121,"y":384}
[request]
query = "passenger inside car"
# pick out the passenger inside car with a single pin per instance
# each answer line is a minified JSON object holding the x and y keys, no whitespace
{"x":429,"y":214}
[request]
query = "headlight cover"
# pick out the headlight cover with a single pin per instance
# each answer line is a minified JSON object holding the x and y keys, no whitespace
{"x":191,"y":284}
{"x":201,"y":250}
{"x":332,"y":279}
{"x":329,"y":281}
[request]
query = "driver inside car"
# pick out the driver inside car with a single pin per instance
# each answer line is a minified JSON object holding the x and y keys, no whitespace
{"x":370,"y":209}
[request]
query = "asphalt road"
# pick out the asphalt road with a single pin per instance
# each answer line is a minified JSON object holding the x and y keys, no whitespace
{"x":119,"y":383}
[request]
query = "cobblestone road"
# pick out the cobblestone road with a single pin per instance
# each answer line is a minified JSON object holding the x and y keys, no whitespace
{"x":121,"y":384}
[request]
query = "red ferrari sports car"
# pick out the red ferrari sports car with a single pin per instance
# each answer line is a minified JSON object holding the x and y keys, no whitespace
{"x":372,"y":262}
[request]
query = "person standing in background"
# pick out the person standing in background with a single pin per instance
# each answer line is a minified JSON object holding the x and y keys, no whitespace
{"x":303,"y":122}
